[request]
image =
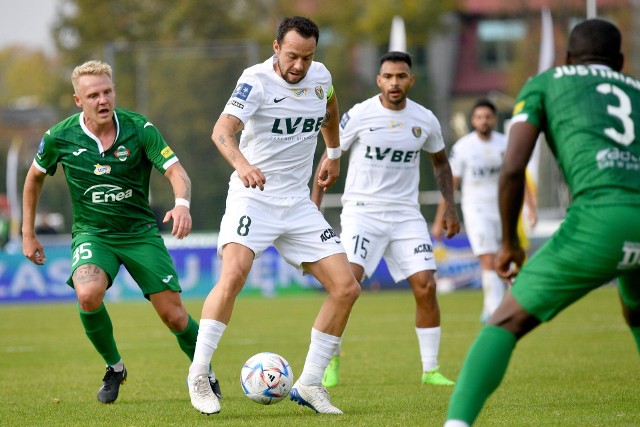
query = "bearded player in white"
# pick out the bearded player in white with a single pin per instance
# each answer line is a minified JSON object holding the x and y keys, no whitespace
{"x":381,"y":215}
{"x":476,"y":159}
{"x":282,"y":104}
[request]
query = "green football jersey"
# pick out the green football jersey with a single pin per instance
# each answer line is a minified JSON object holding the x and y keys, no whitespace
{"x":109,"y":189}
{"x":589,"y":116}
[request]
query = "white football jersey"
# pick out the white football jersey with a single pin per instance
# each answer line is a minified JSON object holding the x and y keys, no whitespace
{"x":477,"y":163}
{"x":281,"y":125}
{"x":384,"y":163}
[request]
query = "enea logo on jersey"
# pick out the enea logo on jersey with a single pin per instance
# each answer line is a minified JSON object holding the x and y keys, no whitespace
{"x":242,"y":91}
{"x":102,"y":169}
{"x":122,"y":153}
{"x":105,"y":193}
{"x":166,"y":152}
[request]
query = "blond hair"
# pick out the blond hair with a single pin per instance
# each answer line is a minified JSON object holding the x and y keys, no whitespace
{"x":92,"y":68}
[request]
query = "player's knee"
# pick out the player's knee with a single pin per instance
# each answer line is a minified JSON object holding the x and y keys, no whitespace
{"x":89,"y":301}
{"x":348,"y":292}
{"x":425,"y":290}
{"x":176,"y":318}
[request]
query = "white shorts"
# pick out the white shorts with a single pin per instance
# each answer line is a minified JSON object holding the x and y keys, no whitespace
{"x":294,"y":226}
{"x":484,"y":229}
{"x":401,"y":237}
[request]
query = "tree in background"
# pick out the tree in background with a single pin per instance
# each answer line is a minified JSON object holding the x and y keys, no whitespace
{"x":178,"y":63}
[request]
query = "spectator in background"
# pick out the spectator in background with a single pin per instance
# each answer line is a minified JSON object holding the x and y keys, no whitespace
{"x":44,"y":225}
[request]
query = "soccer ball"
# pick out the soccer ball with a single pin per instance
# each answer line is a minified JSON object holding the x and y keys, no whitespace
{"x":266,"y":378}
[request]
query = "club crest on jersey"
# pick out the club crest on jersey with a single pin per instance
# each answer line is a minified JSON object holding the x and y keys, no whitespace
{"x":417,"y":131}
{"x":102,"y":169}
{"x":319,"y":92}
{"x":299,"y":92}
{"x":122,"y":153}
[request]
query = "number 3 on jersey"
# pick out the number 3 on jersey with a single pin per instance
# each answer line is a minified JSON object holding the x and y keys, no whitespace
{"x":622,"y":112}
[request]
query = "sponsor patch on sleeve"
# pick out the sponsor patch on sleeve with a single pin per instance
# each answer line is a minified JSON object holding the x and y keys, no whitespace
{"x":242,"y":91}
{"x":518,"y":107}
{"x":344,"y":120}
{"x":166,"y":152}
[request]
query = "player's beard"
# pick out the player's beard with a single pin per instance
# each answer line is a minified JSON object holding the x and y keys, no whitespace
{"x":285,"y":75}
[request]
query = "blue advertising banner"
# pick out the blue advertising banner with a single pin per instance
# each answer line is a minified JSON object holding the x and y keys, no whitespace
{"x":198,"y":266}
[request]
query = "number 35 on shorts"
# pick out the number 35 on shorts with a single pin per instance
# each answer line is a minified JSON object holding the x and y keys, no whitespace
{"x":83,"y":251}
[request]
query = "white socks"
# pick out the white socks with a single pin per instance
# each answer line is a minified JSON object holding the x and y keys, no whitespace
{"x":493,"y":288}
{"x":429,"y":342}
{"x":321,"y":349}
{"x":209,"y":334}
{"x":118,"y":367}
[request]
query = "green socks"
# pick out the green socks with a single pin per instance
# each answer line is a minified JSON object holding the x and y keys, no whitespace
{"x":482,"y":372}
{"x":187,"y":338}
{"x":98,"y":327}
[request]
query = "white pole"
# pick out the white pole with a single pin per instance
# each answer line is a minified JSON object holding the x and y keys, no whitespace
{"x":398,"y":37}
{"x":13,"y":157}
{"x":592,"y":9}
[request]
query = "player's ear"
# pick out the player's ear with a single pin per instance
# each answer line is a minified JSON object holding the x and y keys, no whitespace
{"x":569,"y":59}
{"x":619,"y":62}
{"x":76,"y":99}
{"x":276,"y":47}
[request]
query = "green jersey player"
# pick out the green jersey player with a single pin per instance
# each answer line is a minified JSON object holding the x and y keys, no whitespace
{"x":107,"y":155}
{"x":588,"y":110}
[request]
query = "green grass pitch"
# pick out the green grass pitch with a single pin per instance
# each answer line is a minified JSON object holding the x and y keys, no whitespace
{"x":579,"y":370}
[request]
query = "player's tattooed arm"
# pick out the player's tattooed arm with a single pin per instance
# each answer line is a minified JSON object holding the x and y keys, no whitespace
{"x":325,"y":119}
{"x":224,"y":137}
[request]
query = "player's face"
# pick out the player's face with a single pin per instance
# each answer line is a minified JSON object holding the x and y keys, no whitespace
{"x":294,"y":56}
{"x":394,"y":81}
{"x":483,"y":121}
{"x":96,"y":96}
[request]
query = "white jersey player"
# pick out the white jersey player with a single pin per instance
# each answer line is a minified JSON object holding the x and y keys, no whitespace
{"x":475,"y":163}
{"x":476,"y":159}
{"x":381,"y":216}
{"x":282,"y":104}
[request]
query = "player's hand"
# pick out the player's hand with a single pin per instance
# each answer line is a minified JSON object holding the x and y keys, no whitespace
{"x":508,"y":262}
{"x":252,"y":176}
{"x":532,"y":218}
{"x":33,"y":250}
{"x":181,"y":221}
{"x":329,"y":173}
{"x":436,"y":231}
{"x":450,"y":222}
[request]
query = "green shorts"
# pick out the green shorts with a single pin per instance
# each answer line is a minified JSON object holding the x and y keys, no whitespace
{"x":593,"y":246}
{"x":145,"y":257}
